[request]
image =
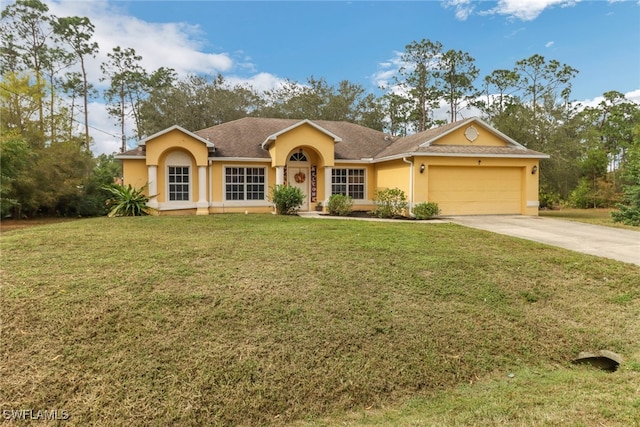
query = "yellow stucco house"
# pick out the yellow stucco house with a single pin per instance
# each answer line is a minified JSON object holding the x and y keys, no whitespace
{"x":466,"y":167}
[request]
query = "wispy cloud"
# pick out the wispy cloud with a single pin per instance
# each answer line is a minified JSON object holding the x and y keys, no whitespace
{"x":182,"y":45}
{"x":463,"y":8}
{"x":526,"y":10}
{"x":549,"y":44}
{"x":383,"y":77}
{"x":178,"y":45}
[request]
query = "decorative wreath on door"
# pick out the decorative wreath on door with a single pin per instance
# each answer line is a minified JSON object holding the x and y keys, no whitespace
{"x":299,"y":177}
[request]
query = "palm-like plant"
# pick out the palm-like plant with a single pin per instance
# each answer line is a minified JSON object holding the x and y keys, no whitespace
{"x":127,"y":201}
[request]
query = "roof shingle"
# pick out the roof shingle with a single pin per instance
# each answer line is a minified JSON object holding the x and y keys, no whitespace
{"x":243,"y":138}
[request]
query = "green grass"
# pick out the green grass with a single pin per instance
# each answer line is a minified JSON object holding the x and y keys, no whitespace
{"x":590,"y":216}
{"x":557,"y":396}
{"x":268,"y":320}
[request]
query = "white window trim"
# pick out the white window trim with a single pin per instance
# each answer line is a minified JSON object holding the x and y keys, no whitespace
{"x":242,"y":203}
{"x":168,"y":196}
{"x":225,"y":202}
{"x":366,"y":181}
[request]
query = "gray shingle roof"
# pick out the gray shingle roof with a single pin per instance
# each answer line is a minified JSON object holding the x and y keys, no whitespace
{"x":244,"y":137}
{"x":420,"y":143}
{"x":139,"y":151}
{"x":477,"y":150}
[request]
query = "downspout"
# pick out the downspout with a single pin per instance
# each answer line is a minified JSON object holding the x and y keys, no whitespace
{"x":404,"y":159}
{"x":210,"y":167}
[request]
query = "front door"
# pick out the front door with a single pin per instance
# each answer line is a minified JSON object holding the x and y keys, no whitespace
{"x":298,"y":176}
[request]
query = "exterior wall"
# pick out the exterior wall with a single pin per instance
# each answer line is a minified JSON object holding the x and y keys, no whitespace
{"x":134,"y":172}
{"x":177,"y":212}
{"x":162,"y":152}
{"x":173,"y":140}
{"x":216,"y":193}
{"x":392,"y":174}
{"x":306,"y":137}
{"x":485,"y":137}
{"x":529,"y":188}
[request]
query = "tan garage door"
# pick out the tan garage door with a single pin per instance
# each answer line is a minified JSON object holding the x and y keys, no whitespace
{"x":476,"y":190}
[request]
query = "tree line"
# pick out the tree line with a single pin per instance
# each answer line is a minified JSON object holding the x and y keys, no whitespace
{"x":45,"y":136}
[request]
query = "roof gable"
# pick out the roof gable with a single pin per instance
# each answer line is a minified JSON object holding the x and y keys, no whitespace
{"x":447,"y":130}
{"x":206,"y":142}
{"x":441,"y":141}
{"x":274,"y":136}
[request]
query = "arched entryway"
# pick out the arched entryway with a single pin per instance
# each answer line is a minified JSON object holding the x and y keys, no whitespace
{"x":298,"y":174}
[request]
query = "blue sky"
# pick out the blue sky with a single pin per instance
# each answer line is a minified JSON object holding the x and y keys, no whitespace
{"x":264,"y":42}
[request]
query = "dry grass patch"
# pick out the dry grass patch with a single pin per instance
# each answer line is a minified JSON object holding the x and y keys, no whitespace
{"x":254,"y":320}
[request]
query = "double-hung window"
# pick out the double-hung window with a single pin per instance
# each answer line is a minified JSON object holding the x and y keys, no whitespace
{"x":349,"y":182}
{"x":178,"y":183}
{"x":243,"y":183}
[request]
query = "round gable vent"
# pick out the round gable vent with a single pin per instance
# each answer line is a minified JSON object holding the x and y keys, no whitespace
{"x":471,"y":133}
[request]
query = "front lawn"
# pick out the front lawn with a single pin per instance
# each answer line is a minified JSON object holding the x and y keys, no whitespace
{"x":598,"y":216}
{"x":261,"y":319}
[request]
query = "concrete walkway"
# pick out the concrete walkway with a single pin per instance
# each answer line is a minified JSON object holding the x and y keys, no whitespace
{"x":614,"y":243}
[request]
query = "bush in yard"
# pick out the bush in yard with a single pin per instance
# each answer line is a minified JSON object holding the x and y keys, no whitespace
{"x":549,"y":199}
{"x":127,"y":201}
{"x":287,"y":199}
{"x":629,"y":208}
{"x":390,"y":203}
{"x":592,"y":194}
{"x":426,"y":210}
{"x":339,"y":204}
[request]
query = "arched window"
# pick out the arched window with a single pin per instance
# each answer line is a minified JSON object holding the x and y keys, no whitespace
{"x":298,"y":156}
{"x":178,"y":176}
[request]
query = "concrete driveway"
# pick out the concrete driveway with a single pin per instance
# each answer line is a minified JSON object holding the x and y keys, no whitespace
{"x":607,"y":242}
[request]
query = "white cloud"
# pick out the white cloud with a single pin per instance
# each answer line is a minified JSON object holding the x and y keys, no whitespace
{"x":260,"y":82}
{"x":464,"y":8}
{"x":176,"y":45}
{"x":386,"y":70}
{"x":103,"y":131}
{"x":633,"y":96}
{"x":549,"y":44}
{"x":526,"y":10}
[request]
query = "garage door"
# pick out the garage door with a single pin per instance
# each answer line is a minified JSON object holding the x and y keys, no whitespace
{"x":476,"y":190}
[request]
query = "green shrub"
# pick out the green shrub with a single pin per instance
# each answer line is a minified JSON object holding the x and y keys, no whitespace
{"x":339,"y":204}
{"x":549,"y":199}
{"x":589,"y":194}
{"x":390,"y":203}
{"x":582,"y":196}
{"x":629,"y":210}
{"x":127,"y":201}
{"x":426,"y":210}
{"x":287,"y":199}
{"x":629,"y":207}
